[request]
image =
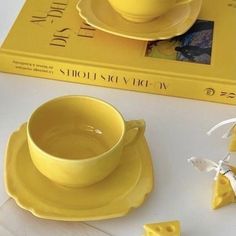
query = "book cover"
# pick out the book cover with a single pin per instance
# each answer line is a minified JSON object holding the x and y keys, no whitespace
{"x":50,"y":40}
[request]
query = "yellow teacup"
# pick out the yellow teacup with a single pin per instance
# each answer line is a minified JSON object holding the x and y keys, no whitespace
{"x":144,"y":10}
{"x":77,"y":141}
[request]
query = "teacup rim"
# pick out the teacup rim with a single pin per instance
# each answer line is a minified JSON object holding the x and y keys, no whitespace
{"x":63,"y":159}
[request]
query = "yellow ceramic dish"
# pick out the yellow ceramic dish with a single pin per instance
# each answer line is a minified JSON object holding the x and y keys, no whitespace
{"x":124,"y":189}
{"x":177,"y":21}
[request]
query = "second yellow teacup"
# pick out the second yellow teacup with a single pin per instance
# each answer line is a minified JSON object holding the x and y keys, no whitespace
{"x":77,"y":141}
{"x":144,"y":10}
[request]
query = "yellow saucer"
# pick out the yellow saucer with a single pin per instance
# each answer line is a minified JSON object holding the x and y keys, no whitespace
{"x":99,"y":14}
{"x":124,"y":189}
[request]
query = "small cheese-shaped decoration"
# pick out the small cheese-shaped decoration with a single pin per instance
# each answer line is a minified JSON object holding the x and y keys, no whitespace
{"x":232,"y":144}
{"x":223,"y":193}
{"x":171,"y":228}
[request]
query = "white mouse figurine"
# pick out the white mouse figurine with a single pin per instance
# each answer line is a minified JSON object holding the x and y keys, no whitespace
{"x":223,"y":167}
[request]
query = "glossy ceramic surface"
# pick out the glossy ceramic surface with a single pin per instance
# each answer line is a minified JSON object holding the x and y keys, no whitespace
{"x":145,"y":10}
{"x":124,"y":189}
{"x":177,"y":21}
{"x":77,"y":141}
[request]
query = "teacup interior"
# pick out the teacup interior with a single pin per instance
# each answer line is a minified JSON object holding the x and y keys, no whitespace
{"x":76,"y":127}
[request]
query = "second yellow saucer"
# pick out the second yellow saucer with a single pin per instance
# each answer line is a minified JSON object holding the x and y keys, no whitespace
{"x":124,"y":189}
{"x":177,"y":21}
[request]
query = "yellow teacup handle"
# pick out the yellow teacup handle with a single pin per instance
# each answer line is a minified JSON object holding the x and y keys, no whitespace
{"x":180,"y":2}
{"x":135,"y":124}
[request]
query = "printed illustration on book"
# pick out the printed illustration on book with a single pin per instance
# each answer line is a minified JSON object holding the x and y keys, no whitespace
{"x":193,"y":46}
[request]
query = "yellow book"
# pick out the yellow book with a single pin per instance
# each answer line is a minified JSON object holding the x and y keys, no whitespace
{"x":50,"y":40}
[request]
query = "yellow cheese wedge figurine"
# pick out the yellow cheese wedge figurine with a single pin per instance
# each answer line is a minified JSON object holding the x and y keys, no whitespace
{"x":224,"y":188}
{"x":232,"y":144}
{"x":170,"y":228}
{"x":223,"y":193}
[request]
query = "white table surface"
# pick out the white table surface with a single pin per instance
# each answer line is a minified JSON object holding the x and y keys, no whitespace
{"x":176,"y":129}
